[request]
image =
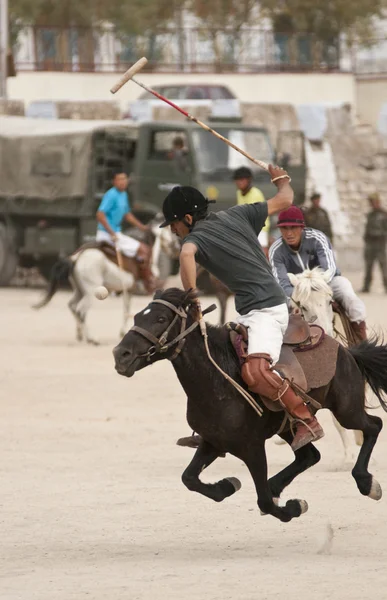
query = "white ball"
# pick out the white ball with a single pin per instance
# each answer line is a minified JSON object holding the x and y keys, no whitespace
{"x":101,"y":292}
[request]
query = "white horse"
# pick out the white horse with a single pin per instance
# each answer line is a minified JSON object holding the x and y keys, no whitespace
{"x":312,"y":297}
{"x":90,"y":269}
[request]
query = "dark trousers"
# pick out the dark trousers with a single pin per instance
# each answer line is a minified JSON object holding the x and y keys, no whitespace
{"x":375,"y":251}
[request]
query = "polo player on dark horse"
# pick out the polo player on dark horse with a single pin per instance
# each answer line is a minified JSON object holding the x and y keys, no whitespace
{"x":225,"y":243}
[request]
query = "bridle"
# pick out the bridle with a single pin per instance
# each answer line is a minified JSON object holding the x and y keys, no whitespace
{"x":160,"y":345}
{"x":302,"y":309}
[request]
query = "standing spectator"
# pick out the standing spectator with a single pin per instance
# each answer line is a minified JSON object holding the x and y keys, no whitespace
{"x":375,"y":241}
{"x":318,"y":218}
{"x":249,"y":194}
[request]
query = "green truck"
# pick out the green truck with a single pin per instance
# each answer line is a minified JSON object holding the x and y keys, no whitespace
{"x":53,"y":174}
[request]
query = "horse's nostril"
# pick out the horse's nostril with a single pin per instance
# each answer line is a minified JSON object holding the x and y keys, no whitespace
{"x":121,"y":353}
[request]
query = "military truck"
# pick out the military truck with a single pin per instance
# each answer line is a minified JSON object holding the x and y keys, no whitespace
{"x":53,"y":174}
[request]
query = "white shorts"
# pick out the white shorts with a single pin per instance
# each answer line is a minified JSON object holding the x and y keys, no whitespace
{"x":263,"y":239}
{"x":127,"y":245}
{"x":266,"y":328}
{"x":343,"y":293}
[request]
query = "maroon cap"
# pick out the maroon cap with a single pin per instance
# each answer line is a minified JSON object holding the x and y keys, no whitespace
{"x":292,"y":217}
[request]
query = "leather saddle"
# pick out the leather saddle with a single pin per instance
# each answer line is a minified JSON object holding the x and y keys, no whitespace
{"x":131,"y":265}
{"x":307,"y":360}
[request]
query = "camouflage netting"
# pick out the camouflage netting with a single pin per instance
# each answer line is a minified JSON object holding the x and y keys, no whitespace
{"x":47,"y":159}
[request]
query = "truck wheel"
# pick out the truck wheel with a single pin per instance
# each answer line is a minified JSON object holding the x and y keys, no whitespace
{"x":8,"y":257}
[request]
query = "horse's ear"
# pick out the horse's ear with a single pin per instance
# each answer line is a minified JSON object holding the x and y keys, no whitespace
{"x":293,"y":279}
{"x":157,"y":295}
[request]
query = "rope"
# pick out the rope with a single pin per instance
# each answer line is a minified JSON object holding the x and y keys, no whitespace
{"x":349,"y":338}
{"x":236,"y":385}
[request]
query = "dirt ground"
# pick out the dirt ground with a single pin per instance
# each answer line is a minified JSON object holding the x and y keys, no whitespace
{"x":92,"y":505}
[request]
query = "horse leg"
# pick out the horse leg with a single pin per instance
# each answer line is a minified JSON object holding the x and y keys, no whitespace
{"x":257,"y":464}
{"x":351,"y":414}
{"x":82,"y":309}
{"x":126,"y":302}
{"x":203,"y":457}
{"x":305,"y":457}
{"x":370,"y":426}
{"x":73,"y":303}
{"x":344,"y":438}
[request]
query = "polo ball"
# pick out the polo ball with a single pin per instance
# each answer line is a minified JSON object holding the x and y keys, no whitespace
{"x":101,"y":292}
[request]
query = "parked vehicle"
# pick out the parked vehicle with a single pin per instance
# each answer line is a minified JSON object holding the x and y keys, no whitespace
{"x":218,"y":98}
{"x":53,"y":174}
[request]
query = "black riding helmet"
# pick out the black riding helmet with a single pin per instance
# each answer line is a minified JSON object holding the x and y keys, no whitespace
{"x":181,"y":201}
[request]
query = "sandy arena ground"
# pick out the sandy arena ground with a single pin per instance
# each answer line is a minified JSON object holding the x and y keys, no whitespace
{"x":92,"y":505}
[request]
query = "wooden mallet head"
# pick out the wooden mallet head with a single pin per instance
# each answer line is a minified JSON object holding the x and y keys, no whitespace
{"x":129,"y":74}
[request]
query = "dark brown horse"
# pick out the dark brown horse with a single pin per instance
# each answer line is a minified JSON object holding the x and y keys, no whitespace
{"x":166,"y":328}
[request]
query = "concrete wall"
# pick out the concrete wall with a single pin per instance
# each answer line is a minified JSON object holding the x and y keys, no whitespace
{"x":276,"y":87}
{"x":371,"y":93}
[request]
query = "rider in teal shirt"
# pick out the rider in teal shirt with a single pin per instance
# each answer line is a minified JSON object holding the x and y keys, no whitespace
{"x":113,"y":209}
{"x":115,"y":205}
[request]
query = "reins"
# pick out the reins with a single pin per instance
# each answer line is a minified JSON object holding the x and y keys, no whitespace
{"x":161,"y":345}
{"x":239,"y":388}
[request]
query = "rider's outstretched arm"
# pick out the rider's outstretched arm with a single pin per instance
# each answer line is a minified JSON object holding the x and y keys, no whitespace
{"x":188,"y":266}
{"x":135,"y":222}
{"x":102,"y":218}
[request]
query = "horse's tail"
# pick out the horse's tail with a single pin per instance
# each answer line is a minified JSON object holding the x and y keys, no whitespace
{"x":371,"y":358}
{"x":60,"y":272}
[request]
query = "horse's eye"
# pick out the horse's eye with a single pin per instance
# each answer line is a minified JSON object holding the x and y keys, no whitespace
{"x":161,"y":320}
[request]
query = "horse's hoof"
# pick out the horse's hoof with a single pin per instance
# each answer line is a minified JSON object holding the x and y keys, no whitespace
{"x":303,"y":505}
{"x":235,"y":483}
{"x":376,"y":490}
{"x":276,"y":501}
{"x":93,"y":342}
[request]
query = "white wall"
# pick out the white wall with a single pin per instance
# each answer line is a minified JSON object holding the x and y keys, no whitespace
{"x":371,"y":95}
{"x":273,"y":87}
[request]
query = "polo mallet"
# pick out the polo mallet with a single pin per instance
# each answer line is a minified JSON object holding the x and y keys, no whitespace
{"x":129,"y":75}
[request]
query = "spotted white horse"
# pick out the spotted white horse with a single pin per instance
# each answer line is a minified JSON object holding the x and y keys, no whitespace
{"x":90,"y":269}
{"x":312,"y":296}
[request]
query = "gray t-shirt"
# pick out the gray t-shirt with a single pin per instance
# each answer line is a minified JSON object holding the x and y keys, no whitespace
{"x":228,"y":248}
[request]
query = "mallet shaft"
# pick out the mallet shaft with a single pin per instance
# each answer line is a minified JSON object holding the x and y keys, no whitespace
{"x":260,"y":163}
{"x":137,"y":67}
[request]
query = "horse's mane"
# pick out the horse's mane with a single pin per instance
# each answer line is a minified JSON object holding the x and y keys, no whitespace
{"x":218,"y":335}
{"x":310,"y":280}
{"x":176,"y":296}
